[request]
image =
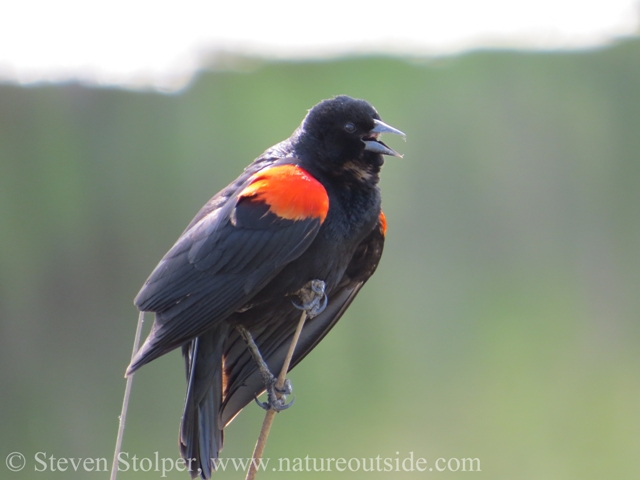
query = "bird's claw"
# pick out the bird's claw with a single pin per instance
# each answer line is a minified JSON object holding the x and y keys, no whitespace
{"x":278,"y":405}
{"x":277,"y":397}
{"x":314,"y":299}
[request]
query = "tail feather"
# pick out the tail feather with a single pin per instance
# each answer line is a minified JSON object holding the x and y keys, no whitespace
{"x":201,"y":431}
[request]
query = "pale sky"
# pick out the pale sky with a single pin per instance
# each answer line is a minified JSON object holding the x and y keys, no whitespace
{"x":156,"y":43}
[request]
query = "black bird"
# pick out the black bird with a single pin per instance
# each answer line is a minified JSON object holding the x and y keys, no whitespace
{"x":306,"y":209}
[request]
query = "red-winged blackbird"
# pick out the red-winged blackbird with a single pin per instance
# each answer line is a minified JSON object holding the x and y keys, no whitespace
{"x":307,"y":209}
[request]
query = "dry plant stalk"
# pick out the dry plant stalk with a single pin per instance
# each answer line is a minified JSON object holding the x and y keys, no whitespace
{"x":270,"y":415}
{"x":125,"y":402}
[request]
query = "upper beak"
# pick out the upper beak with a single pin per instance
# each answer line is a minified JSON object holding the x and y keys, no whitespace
{"x":373,"y":145}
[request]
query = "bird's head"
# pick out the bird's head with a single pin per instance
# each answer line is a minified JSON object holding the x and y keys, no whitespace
{"x":341,"y":135}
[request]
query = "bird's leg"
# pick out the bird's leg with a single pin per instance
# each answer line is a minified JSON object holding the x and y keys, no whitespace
{"x":314,"y":299}
{"x":274,"y":401}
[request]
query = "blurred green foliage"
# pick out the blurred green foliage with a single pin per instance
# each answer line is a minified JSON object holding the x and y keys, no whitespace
{"x":502,"y":323}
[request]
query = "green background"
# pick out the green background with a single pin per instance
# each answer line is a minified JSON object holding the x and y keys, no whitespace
{"x":502,"y":323}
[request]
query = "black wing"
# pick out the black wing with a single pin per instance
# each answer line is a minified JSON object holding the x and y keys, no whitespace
{"x":215,"y":267}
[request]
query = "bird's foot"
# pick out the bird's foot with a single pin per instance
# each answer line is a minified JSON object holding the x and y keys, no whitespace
{"x":276,"y":397}
{"x":314,"y":299}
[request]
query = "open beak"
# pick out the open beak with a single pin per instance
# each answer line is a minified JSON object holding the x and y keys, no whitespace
{"x":372,"y":144}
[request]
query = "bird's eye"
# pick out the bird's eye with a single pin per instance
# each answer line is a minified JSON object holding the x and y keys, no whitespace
{"x":350,"y":127}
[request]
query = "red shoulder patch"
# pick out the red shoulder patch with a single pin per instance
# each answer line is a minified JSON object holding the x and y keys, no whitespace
{"x":383,"y":224}
{"x":290,"y":191}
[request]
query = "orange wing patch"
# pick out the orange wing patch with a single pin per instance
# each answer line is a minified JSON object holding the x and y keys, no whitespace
{"x":383,"y":224}
{"x":290,"y":191}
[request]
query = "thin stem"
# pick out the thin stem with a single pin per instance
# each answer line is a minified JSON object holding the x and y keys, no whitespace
{"x":270,"y":415}
{"x":125,"y":402}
